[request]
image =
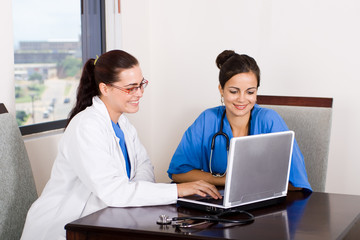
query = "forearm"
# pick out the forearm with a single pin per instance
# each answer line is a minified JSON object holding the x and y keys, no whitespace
{"x":195,"y":175}
{"x":292,"y":188}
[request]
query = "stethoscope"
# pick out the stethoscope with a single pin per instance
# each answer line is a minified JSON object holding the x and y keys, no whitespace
{"x":182,"y":222}
{"x":221,"y":133}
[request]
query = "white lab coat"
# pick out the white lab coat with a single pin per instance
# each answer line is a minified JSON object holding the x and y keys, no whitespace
{"x":89,"y":174}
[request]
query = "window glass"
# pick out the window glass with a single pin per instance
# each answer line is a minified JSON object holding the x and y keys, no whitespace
{"x":47,"y":57}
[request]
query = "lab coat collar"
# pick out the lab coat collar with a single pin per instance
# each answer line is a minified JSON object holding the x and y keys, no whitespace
{"x":100,"y":106}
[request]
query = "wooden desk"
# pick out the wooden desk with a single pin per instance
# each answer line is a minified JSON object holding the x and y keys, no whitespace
{"x":315,"y":216}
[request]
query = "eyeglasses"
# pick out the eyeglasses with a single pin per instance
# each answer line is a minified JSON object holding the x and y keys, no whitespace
{"x":132,"y":90}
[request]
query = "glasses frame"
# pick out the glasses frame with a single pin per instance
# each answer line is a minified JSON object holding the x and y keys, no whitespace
{"x":132,"y":90}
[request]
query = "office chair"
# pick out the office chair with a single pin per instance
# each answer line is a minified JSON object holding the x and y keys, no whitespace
{"x":17,"y":186}
{"x":310,"y":119}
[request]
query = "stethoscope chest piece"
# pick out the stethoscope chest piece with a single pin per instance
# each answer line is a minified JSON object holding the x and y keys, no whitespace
{"x":164,"y":220}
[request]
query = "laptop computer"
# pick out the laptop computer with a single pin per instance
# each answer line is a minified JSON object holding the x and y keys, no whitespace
{"x":257,"y":174}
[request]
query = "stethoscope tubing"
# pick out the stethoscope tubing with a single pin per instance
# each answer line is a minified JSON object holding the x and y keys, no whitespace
{"x":219,"y":133}
{"x":217,"y":218}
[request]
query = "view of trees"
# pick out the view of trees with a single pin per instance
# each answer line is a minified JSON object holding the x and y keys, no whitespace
{"x":69,"y":67}
{"x":21,"y":117}
{"x":35,"y":76}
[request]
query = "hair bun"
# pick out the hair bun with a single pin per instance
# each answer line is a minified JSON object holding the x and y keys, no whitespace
{"x":223,"y":57}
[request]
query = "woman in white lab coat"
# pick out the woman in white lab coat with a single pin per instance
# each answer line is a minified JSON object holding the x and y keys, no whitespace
{"x":101,"y":161}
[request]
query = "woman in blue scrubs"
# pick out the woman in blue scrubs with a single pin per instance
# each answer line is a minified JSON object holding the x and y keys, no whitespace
{"x":239,"y":79}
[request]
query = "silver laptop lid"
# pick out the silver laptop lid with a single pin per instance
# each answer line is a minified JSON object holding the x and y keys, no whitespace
{"x":258,"y":168}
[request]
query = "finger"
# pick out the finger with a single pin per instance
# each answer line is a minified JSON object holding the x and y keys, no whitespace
{"x":201,"y":193}
{"x":213,"y":189}
{"x":209,"y":189}
{"x":214,"y":194}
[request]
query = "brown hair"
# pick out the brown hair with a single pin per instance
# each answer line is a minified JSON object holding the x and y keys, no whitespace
{"x":231,"y":63}
{"x":106,"y":70}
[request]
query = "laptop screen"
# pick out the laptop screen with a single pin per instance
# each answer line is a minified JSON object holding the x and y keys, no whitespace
{"x":258,"y":167}
{"x":257,"y":173}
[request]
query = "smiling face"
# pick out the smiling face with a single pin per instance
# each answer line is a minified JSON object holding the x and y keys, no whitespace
{"x":239,"y":94}
{"x":118,"y":101}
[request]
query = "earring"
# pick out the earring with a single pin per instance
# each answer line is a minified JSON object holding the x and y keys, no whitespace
{"x":222,"y":100}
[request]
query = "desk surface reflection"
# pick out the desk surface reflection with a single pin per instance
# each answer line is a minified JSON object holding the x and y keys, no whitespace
{"x":301,"y":216}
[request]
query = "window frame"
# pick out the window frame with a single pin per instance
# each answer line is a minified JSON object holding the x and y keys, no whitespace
{"x":93,"y":41}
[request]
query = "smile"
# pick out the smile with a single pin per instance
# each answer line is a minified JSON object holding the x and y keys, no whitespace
{"x":134,"y":102}
{"x":240,"y":107}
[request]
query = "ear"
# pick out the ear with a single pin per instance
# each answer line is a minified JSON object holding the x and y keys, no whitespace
{"x":104,"y":90}
{"x":221,"y":90}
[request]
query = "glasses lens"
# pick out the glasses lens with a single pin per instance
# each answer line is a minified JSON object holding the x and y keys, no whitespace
{"x":133,"y":90}
{"x":144,"y":83}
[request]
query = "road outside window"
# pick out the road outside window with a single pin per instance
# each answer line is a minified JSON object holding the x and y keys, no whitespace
{"x":47,"y":57}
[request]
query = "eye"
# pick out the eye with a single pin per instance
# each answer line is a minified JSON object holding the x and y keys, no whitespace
{"x":131,"y":90}
{"x":233,"y":91}
{"x":251,"y":92}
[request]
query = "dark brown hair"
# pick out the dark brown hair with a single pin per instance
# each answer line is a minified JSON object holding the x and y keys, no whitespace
{"x":105,"y":69}
{"x":231,"y":63}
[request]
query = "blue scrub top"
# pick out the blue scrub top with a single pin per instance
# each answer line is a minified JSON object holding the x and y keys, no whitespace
{"x":193,"y":151}
{"x":120,"y":134}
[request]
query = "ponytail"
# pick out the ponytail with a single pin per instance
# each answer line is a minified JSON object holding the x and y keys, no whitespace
{"x":105,"y":69}
{"x":87,"y":89}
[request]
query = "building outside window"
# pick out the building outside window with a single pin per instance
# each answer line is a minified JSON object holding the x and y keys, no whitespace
{"x":48,"y":58}
{"x":48,"y":55}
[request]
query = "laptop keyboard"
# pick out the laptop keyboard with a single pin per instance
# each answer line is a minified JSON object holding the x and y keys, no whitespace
{"x":212,"y":200}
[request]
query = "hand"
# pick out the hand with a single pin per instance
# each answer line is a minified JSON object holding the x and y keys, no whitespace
{"x":200,"y":187}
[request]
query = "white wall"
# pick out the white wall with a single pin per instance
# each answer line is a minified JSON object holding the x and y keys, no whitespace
{"x":304,"y":48}
{"x":7,"y":89}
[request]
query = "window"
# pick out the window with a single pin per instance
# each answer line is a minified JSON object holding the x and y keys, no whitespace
{"x":52,"y":39}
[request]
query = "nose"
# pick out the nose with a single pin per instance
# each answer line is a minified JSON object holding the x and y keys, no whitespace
{"x":139,"y":92}
{"x":241,"y":97}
